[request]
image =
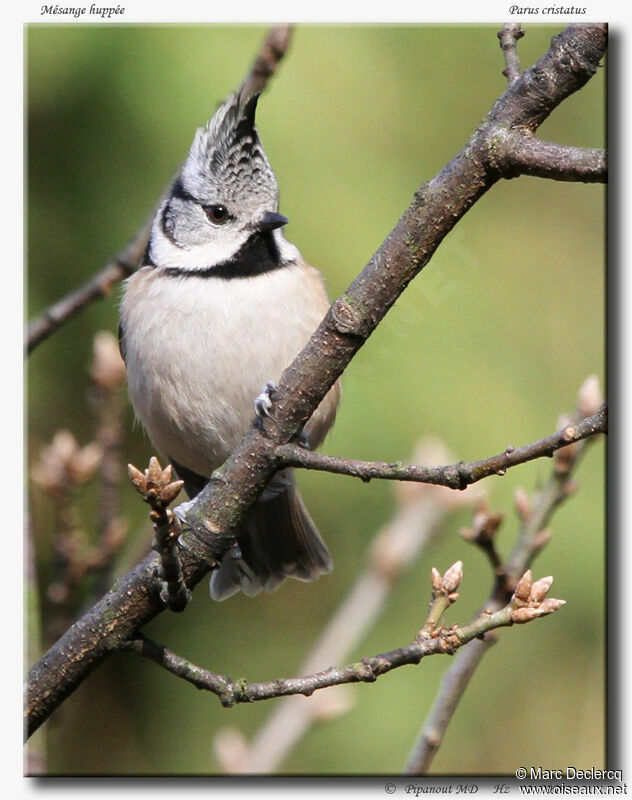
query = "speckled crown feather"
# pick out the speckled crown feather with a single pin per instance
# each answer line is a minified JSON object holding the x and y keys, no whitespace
{"x":226,"y":161}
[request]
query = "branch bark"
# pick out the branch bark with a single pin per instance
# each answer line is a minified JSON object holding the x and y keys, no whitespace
{"x":454,"y":476}
{"x":527,"y":155}
{"x":432,"y":639}
{"x":508,"y":36}
{"x":219,"y":510}
{"x":100,"y":285}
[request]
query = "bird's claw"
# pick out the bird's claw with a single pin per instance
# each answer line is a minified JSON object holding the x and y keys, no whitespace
{"x":263,"y":401}
{"x":181,"y":510}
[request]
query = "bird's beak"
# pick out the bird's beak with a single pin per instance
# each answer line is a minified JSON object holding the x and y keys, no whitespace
{"x":270,"y":221}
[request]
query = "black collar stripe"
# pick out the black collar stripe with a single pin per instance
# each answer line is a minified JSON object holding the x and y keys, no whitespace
{"x":259,"y":255}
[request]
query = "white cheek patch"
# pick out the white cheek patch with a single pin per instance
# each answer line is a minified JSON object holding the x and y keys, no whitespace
{"x":164,"y":253}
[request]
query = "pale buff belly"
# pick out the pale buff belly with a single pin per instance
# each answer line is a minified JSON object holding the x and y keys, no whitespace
{"x":199,"y":350}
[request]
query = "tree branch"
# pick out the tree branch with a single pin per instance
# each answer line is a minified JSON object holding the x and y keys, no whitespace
{"x":525,"y":154}
{"x":453,"y":686}
{"x":122,"y":265}
{"x":454,"y":476}
{"x":508,"y":36}
{"x":433,"y":638}
{"x":100,"y":285}
{"x":272,"y":50}
{"x":215,"y":516}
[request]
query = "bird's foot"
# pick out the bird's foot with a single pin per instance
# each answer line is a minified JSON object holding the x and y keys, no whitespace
{"x":263,"y":401}
{"x":181,"y":510}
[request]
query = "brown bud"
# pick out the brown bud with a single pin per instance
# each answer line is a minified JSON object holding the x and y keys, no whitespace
{"x":523,"y":587}
{"x":51,"y":471}
{"x":481,"y":513}
{"x":452,"y":578}
{"x":391,"y":551}
{"x":525,"y":614}
{"x":231,"y":748}
{"x":138,"y":478}
{"x":589,"y":397}
{"x":171,"y":491}
{"x":453,"y":597}
{"x":550,"y":605}
{"x":63,"y":464}
{"x":564,"y":420}
{"x":167,"y":474}
{"x":115,"y":534}
{"x":93,"y":557}
{"x":64,"y":445}
{"x":540,"y":588}
{"x":152,"y":495}
{"x":108,"y":368}
{"x":436,"y":579}
{"x":326,"y":706}
{"x":154,"y":471}
{"x":57,"y":592}
{"x":542,"y":538}
{"x":84,"y":462}
{"x":522,"y":504}
{"x":484,"y":524}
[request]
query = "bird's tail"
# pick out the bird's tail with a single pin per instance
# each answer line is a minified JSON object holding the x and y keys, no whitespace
{"x":279,"y":541}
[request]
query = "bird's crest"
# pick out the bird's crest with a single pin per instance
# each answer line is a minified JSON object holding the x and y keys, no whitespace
{"x":227,"y":157}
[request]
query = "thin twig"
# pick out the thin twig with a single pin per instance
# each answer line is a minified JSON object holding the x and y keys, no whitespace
{"x":483,"y":532}
{"x":454,"y":476}
{"x":157,"y":489}
{"x":454,"y":683}
{"x":532,"y":537}
{"x":508,"y":36}
{"x":123,"y":264}
{"x":432,"y":639}
{"x":100,"y":285}
{"x":272,"y":50}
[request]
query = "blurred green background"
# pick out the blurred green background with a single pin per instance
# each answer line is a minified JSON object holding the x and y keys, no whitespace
{"x":487,"y":347}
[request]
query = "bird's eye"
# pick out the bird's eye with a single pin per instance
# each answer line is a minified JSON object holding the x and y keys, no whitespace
{"x":216,"y":214}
